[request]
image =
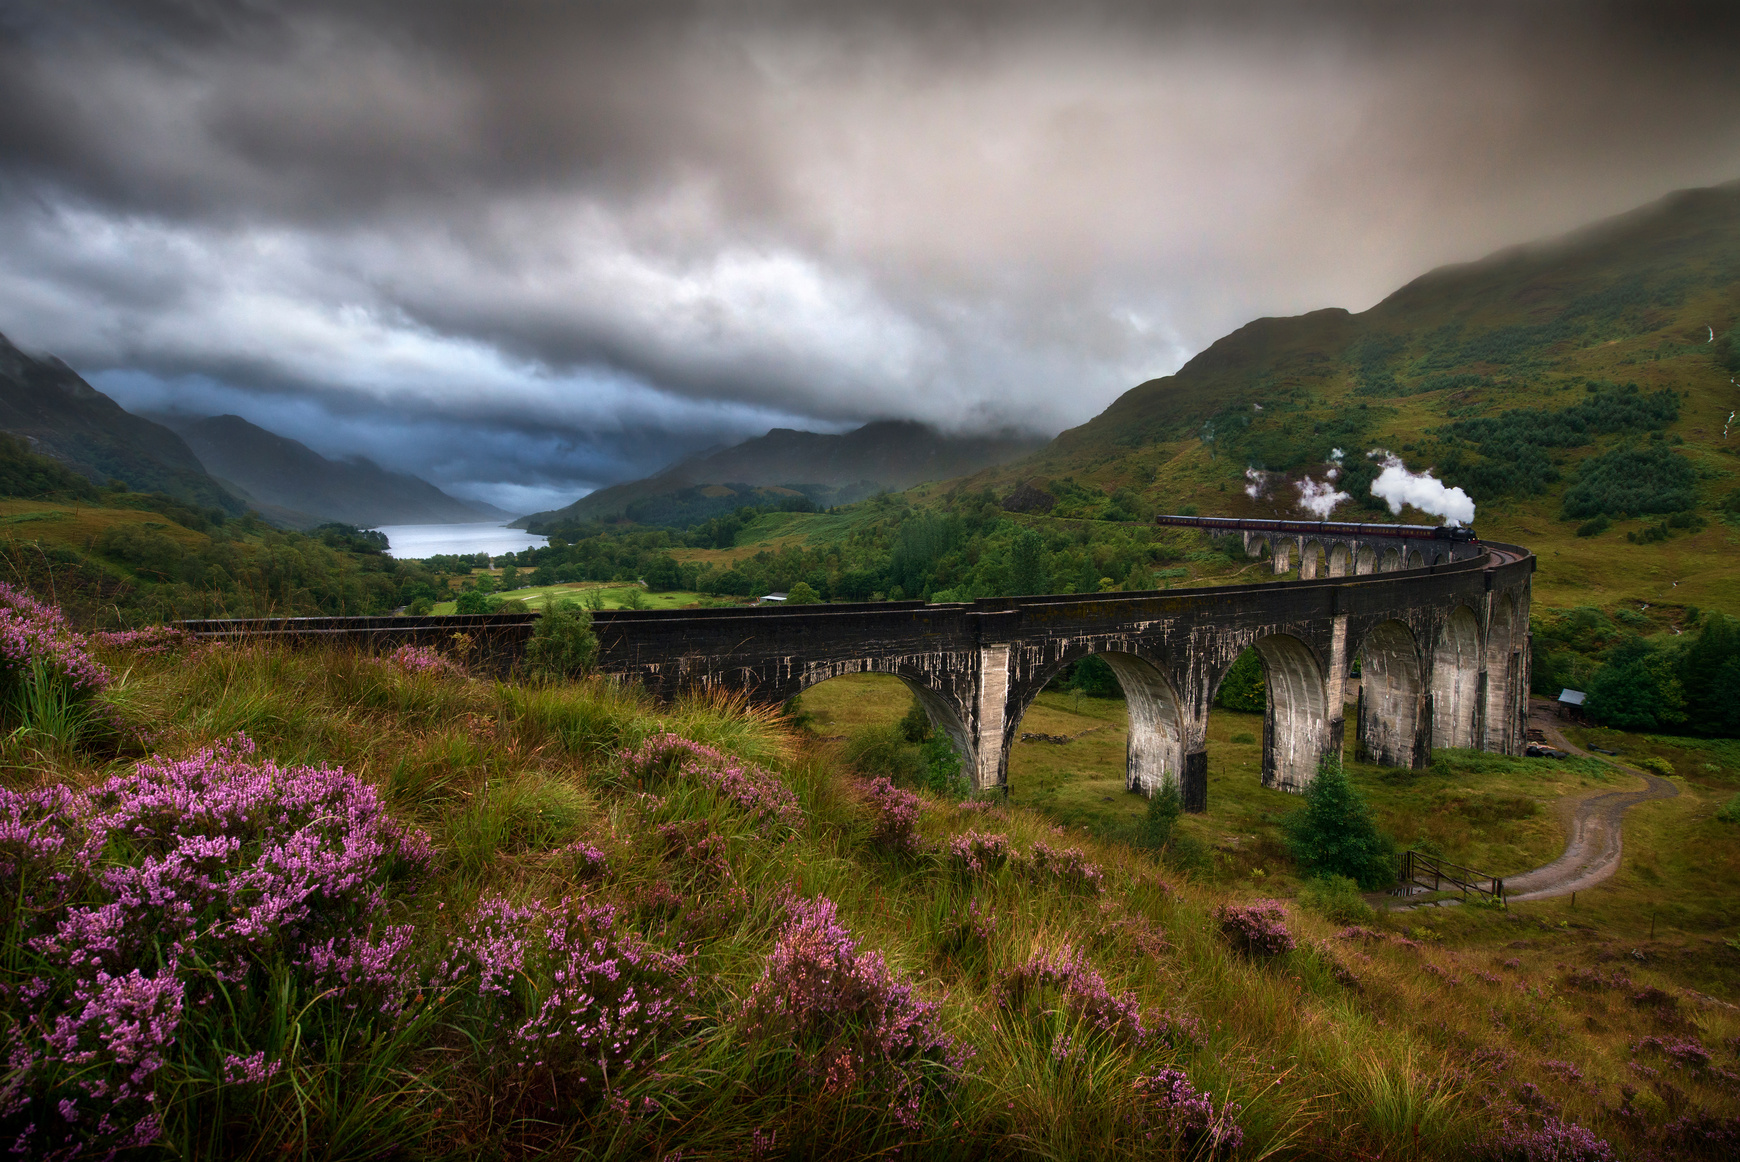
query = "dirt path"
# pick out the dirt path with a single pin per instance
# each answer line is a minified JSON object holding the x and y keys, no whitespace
{"x":1592,"y":853}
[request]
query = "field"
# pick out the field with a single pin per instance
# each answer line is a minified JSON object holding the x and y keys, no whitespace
{"x":614,"y":596}
{"x":1500,"y":815}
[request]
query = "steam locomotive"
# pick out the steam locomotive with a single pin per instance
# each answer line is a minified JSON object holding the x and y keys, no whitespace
{"x":1325,"y":529}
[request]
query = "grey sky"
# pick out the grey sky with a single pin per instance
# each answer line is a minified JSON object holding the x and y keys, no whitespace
{"x":526,"y":248}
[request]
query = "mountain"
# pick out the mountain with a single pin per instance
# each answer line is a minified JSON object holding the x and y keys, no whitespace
{"x":890,"y":454}
{"x":60,"y":415}
{"x":292,"y":482}
{"x":1503,"y":375}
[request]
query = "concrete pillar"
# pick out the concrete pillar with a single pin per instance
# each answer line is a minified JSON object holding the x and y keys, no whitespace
{"x":1194,"y":786}
{"x":990,"y":725}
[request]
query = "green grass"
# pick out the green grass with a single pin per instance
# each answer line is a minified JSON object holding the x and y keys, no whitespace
{"x":615,"y":596}
{"x":1344,"y":1047}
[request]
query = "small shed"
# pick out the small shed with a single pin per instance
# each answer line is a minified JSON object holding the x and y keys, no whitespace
{"x":772,"y":599}
{"x":1571,"y":703}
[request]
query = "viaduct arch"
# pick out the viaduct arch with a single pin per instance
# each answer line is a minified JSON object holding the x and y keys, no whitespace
{"x":1443,"y":647}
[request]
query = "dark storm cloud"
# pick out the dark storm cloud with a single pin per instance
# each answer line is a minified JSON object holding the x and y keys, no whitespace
{"x":603,"y":233}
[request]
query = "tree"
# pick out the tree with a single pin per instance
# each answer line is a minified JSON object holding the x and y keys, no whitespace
{"x":1637,"y":689}
{"x":510,"y":578}
{"x":1335,"y":834}
{"x":1028,"y":565}
{"x":1243,"y":687}
{"x":802,"y":594}
{"x":664,"y":575}
{"x":562,"y":644}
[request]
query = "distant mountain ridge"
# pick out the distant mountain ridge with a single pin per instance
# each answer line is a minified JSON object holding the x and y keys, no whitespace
{"x":292,"y":482}
{"x":61,"y":416}
{"x":888,"y":454}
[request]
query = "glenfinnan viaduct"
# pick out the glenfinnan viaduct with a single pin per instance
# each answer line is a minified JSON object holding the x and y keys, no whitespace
{"x":1440,"y":628}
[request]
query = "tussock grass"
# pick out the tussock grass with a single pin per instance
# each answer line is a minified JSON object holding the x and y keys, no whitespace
{"x":1352,"y":1046}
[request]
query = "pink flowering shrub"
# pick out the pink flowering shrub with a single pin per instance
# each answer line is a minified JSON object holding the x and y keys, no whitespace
{"x":979,"y":852}
{"x":855,"y":1027}
{"x":1172,"y":1112}
{"x":672,"y":757}
{"x":895,"y":817}
{"x":573,"y":1002}
{"x":1067,"y":867}
{"x":1065,"y":983}
{"x":420,"y":660}
{"x":46,"y":669}
{"x":1553,"y":1141}
{"x":1258,"y":929}
{"x":153,"y":639}
{"x":145,"y":899}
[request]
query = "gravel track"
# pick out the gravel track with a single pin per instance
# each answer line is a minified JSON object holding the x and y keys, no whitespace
{"x":1592,"y":854}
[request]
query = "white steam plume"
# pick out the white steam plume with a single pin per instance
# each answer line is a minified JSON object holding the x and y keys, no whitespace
{"x":1320,"y":497}
{"x":1397,"y":486}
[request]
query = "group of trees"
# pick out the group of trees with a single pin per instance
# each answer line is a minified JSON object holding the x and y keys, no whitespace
{"x":974,"y":549}
{"x":1687,"y":683}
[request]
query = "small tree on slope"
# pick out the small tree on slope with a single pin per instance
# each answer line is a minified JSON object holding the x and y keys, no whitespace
{"x":1335,"y":834}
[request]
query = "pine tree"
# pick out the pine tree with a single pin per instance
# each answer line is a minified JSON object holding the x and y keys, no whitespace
{"x":1335,"y":834}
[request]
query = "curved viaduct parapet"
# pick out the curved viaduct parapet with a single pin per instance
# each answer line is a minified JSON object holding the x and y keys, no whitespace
{"x":977,"y":667}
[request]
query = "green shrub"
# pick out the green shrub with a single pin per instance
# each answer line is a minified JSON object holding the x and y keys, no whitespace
{"x":1335,"y":834}
{"x":1164,"y":807}
{"x":1243,"y":687}
{"x":1655,"y":763}
{"x":1189,"y":855}
{"x":1336,"y":898}
{"x":1633,"y":482}
{"x":1729,"y":812}
{"x":802,"y":594}
{"x":562,"y":644}
{"x":1593,"y":528}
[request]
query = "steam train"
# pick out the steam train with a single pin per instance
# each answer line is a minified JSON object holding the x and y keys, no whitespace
{"x":1325,"y":529}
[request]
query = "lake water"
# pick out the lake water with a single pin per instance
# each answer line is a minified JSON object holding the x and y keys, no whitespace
{"x":411,"y":541}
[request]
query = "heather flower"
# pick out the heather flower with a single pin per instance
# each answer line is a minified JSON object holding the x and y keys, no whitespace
{"x":421,"y":660}
{"x":1257,"y":929}
{"x":1169,"y":1104}
{"x":138,"y":897}
{"x":588,"y":862}
{"x":1066,"y":982}
{"x":853,"y":1022}
{"x":610,"y":997}
{"x":42,"y":658}
{"x":1554,"y":1141}
{"x":1682,"y":1052}
{"x":577,"y":1001}
{"x":153,"y":639}
{"x":757,"y":791}
{"x":250,"y":1070}
{"x":1068,"y":867}
{"x":895,"y":816}
{"x":978,"y":852}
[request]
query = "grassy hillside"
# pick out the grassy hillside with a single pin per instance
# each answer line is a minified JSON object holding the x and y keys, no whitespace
{"x":1507,"y":377}
{"x":821,"y":967}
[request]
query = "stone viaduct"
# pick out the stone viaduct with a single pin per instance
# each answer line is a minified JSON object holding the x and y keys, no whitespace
{"x":1442,"y":643}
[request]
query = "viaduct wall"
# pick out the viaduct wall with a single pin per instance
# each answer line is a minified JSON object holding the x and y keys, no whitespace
{"x":1443,"y":648}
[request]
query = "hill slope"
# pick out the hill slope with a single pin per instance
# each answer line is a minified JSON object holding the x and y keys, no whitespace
{"x":891,"y":455}
{"x":47,"y":403}
{"x":1579,"y":384}
{"x":285,"y":474}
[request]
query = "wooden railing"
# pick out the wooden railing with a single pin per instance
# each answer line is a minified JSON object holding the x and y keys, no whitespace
{"x":1440,"y":875}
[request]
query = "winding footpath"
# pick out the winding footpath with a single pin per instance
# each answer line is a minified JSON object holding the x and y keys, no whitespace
{"x":1592,"y":853}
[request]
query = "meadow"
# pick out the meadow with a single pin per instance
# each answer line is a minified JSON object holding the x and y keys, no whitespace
{"x":821,"y":965}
